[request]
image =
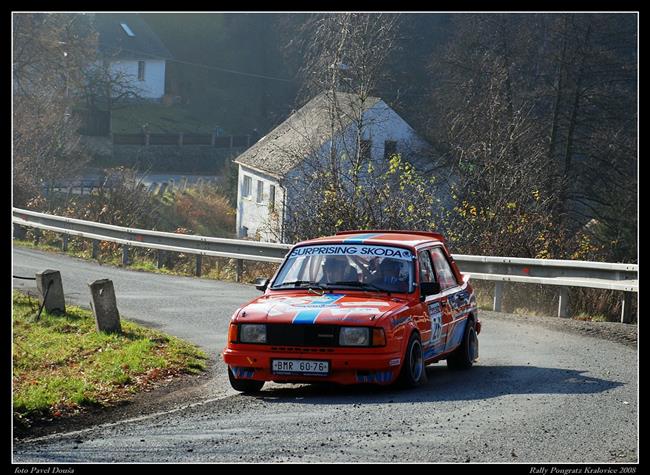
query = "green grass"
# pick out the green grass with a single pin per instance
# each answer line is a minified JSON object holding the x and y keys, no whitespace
{"x":62,"y":364}
{"x":160,"y":119}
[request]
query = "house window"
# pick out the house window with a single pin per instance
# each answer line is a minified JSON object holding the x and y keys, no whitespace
{"x":246,"y":187}
{"x":140,"y":70}
{"x":272,"y":198}
{"x":364,"y":149}
{"x":260,"y":191}
{"x":390,"y":148}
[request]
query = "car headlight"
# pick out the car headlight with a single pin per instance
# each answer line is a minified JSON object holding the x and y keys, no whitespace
{"x":252,"y":333}
{"x":354,"y":336}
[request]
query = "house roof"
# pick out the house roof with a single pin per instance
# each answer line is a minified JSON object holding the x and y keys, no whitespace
{"x":137,"y":41}
{"x":304,"y":131}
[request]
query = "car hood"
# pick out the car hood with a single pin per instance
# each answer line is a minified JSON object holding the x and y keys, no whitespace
{"x":334,"y":308}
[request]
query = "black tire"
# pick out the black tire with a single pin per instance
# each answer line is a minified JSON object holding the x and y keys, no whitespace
{"x":244,"y":385}
{"x":413,"y":372}
{"x":467,"y":352}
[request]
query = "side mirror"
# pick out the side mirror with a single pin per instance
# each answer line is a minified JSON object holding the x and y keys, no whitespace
{"x":261,"y":284}
{"x":429,"y":288}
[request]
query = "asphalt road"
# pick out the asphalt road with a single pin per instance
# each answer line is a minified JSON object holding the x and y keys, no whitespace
{"x":538,"y":394}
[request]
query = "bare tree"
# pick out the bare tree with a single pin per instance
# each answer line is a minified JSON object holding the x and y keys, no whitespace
{"x":532,"y":108}
{"x":49,"y":51}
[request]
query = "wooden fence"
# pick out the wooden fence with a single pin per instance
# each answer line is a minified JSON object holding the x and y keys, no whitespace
{"x":181,"y":139}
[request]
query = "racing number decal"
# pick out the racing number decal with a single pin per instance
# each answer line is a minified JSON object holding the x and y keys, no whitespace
{"x":435,"y":313}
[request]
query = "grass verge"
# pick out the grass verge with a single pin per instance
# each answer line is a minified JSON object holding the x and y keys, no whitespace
{"x":62,"y":365}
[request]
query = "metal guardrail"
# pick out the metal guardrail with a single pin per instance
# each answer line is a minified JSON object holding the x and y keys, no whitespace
{"x":561,"y":273}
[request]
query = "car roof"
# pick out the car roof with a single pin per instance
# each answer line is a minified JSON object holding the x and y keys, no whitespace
{"x":382,"y":237}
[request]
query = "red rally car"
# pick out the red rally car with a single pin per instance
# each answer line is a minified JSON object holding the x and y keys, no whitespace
{"x":357,"y":307}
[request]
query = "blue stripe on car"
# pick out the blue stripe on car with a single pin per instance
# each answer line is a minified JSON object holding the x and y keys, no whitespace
{"x":358,"y":239}
{"x":306,"y":317}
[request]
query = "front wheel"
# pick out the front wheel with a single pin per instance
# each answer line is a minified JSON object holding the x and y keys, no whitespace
{"x":413,"y":371}
{"x":244,"y":385}
{"x":467,"y":352}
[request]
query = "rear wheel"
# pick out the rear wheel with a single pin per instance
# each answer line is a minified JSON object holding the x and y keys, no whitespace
{"x":467,"y":352}
{"x":244,"y":385}
{"x":413,"y":371}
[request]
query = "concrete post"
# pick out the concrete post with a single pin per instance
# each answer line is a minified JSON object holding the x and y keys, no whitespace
{"x":104,"y":306}
{"x":626,"y":307}
{"x":51,"y":279}
{"x":563,"y":304}
{"x":498,"y":296}
{"x":199,"y":264}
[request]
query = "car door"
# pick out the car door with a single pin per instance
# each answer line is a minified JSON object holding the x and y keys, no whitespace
{"x":454,"y":299}
{"x":433,"y":338}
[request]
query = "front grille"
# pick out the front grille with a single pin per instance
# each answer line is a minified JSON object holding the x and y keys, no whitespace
{"x":302,"y":335}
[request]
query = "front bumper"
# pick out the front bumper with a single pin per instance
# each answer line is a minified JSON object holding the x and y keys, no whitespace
{"x":345,"y":368}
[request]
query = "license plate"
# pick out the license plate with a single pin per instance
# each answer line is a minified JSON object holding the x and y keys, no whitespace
{"x":301,"y":367}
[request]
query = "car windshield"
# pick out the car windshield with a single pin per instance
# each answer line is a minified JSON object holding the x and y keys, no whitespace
{"x":348,"y":266}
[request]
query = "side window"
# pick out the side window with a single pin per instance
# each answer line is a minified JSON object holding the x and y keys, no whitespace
{"x":246,"y":186}
{"x":426,"y":269}
{"x":443,"y":270}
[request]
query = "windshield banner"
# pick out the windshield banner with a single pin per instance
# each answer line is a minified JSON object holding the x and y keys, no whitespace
{"x":353,"y":250}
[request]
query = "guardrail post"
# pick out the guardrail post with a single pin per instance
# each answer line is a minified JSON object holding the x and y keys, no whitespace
{"x":125,"y":255}
{"x":626,"y":307}
{"x":240,"y":270}
{"x":19,"y":232}
{"x":95,"y":251}
{"x":199,"y":264}
{"x":104,"y":306}
{"x":160,"y":258}
{"x":563,"y":304}
{"x":37,"y":237}
{"x":498,"y":296}
{"x":64,"y":243}
{"x":49,"y":282}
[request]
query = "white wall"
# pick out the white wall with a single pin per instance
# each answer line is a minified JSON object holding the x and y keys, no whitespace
{"x":253,"y":215}
{"x":153,"y":86}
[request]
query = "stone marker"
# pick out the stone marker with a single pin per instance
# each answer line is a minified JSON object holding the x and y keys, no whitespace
{"x":55,"y":299}
{"x":104,"y":306}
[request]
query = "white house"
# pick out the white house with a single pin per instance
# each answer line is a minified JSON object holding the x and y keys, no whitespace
{"x":274,"y":161}
{"x":133,"y":50}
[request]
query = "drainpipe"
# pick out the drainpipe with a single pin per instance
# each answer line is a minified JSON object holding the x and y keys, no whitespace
{"x":284,"y":207}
